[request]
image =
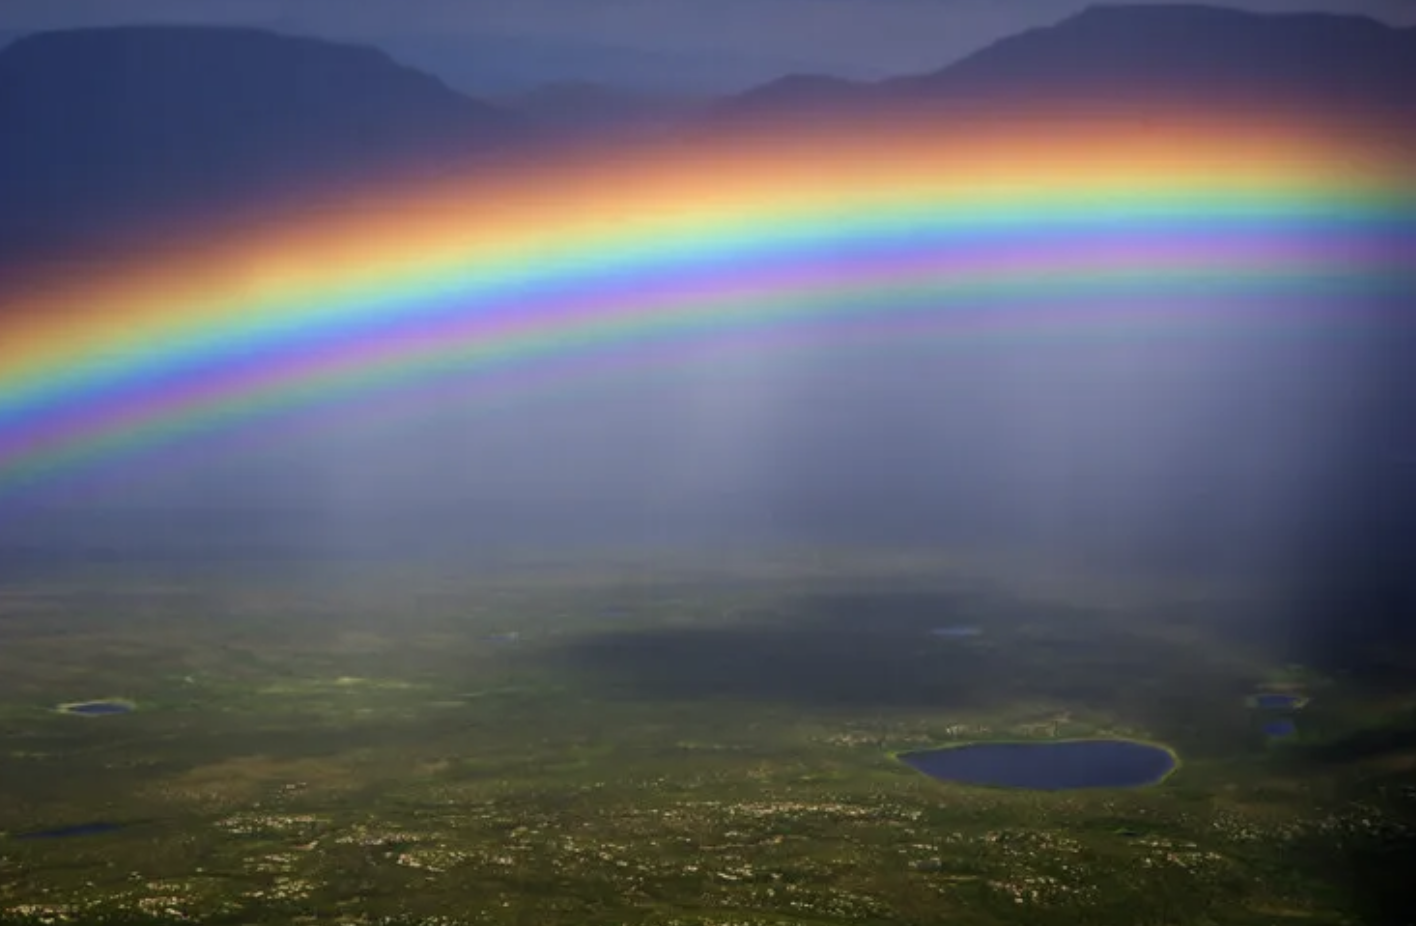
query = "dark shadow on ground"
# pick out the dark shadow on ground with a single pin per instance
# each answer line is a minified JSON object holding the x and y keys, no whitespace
{"x":876,"y":649}
{"x":1371,"y":863}
{"x":830,"y":651}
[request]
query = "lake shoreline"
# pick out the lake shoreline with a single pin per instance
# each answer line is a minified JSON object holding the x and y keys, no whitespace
{"x":920,"y":760}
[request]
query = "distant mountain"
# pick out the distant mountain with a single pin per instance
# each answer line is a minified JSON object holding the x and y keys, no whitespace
{"x":504,"y":65}
{"x":805,"y":94}
{"x":1143,"y":54}
{"x":1193,"y":51}
{"x":577,"y":106}
{"x":108,"y":129}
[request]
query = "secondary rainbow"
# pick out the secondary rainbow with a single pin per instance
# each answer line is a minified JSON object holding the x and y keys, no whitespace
{"x":1013,"y":227}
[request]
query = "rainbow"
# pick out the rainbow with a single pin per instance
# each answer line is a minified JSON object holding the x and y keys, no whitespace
{"x":622,"y":255}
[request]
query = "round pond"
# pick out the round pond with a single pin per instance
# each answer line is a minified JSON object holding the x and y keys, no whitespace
{"x":1048,"y":765}
{"x":97,"y":708}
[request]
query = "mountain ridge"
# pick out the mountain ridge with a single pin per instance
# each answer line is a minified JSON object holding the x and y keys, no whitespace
{"x":1135,"y":52}
{"x":108,"y":127}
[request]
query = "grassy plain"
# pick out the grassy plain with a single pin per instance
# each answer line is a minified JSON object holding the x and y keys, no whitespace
{"x":672,"y":742}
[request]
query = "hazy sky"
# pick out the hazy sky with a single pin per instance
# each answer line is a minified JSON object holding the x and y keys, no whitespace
{"x":855,"y":37}
{"x":1215,"y":453}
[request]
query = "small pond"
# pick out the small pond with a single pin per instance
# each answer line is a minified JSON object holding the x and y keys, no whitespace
{"x":98,"y":708}
{"x":1047,"y":765}
{"x":63,"y":832}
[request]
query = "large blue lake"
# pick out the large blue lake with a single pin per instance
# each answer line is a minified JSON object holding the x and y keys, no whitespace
{"x":1054,"y":765}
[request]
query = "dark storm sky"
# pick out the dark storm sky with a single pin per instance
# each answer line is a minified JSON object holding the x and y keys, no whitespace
{"x":849,"y":37}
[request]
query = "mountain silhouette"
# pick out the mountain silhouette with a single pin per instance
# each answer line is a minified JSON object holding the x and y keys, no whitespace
{"x":498,"y":66}
{"x":1192,"y":51}
{"x":107,"y":129}
{"x":583,"y":106}
{"x":1140,"y":56}
{"x":797,"y":94}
